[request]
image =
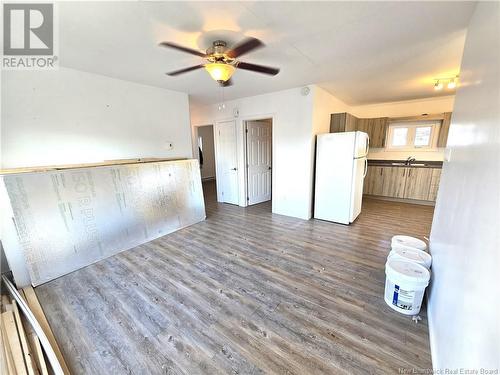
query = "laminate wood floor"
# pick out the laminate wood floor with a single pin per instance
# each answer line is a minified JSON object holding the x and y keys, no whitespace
{"x":244,"y":292}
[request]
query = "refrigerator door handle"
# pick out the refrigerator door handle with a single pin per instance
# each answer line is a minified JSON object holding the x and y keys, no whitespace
{"x":367,"y":144}
{"x":366,"y":168}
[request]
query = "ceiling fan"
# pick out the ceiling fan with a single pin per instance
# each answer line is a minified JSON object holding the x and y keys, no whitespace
{"x":221,"y":61}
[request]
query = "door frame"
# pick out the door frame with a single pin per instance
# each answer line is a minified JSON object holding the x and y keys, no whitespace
{"x":241,"y":146}
{"x":245,"y":152}
{"x":216,"y":128}
{"x":195,"y":146}
{"x":245,"y":134}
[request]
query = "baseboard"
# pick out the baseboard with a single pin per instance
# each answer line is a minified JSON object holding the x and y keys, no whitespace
{"x":432,"y":337}
{"x":400,"y":200}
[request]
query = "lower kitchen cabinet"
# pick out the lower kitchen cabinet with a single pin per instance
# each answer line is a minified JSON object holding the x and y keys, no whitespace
{"x":436,"y":177}
{"x":402,"y":182}
{"x":417,"y":183}
{"x":394,"y":182}
{"x":374,"y":179}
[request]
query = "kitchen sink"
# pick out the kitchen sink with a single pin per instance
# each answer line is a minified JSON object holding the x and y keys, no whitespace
{"x":410,"y":165}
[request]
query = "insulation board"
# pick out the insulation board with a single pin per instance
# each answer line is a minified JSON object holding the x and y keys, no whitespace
{"x":68,"y":219}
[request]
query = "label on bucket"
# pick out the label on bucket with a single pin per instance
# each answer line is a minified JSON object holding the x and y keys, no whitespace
{"x":403,"y":298}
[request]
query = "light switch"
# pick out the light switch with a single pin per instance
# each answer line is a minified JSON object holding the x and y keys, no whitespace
{"x":447,"y":154}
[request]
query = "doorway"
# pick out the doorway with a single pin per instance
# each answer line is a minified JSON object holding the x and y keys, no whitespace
{"x":206,"y":152}
{"x":259,"y":160}
{"x":227,"y":161}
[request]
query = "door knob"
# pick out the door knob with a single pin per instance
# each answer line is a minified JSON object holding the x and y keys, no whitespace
{"x":234,"y":169}
{"x":269,"y":168}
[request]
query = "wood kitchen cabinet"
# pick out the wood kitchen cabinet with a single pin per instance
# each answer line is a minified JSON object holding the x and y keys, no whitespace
{"x":435,"y":179}
{"x":376,"y":128}
{"x":444,"y":130}
{"x":402,"y":182}
{"x":373,"y":184}
{"x":394,"y":182}
{"x":417,"y":183}
{"x":342,"y":122}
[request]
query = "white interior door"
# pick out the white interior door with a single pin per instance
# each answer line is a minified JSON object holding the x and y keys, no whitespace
{"x":226,"y":160}
{"x":259,"y":160}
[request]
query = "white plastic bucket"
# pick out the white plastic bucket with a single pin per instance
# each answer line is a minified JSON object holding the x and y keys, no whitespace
{"x":411,"y":255}
{"x":408,"y":241}
{"x":405,"y":285}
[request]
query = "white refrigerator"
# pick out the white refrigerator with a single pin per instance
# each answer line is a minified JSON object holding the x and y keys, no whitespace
{"x":341,"y":166}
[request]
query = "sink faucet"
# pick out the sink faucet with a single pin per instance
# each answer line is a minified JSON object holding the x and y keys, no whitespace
{"x":410,"y":160}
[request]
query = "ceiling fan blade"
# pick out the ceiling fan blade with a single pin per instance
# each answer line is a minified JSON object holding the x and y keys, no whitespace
{"x":245,"y":46}
{"x":227,"y":83}
{"x":258,"y":68}
{"x":185,"y":70}
{"x":183,"y":49}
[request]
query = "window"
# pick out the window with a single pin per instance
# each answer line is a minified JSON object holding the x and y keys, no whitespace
{"x":414,"y":135}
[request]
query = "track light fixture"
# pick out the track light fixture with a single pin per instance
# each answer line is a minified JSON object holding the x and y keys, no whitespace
{"x":451,"y":83}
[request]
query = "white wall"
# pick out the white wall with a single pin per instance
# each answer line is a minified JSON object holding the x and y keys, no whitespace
{"x":296,"y":120}
{"x":402,"y":109}
{"x":207,"y":135}
{"x":464,"y":302}
{"x":291,"y":113}
{"x":68,"y":116}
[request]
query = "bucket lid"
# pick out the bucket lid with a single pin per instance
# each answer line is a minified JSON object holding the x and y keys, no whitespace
{"x":413,"y":255}
{"x":409,"y":241}
{"x":407,"y":271}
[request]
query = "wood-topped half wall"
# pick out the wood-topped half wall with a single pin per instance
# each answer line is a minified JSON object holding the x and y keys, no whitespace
{"x":105,"y":163}
{"x":61,"y":219}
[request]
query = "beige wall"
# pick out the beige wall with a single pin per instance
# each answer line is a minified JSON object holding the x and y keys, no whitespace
{"x":405,"y":108}
{"x":401,"y":109}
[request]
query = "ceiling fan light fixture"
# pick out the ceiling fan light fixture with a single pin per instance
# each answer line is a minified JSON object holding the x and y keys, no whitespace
{"x":220,"y":72}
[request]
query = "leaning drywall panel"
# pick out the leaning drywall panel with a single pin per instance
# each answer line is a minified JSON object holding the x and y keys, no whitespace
{"x":10,"y":240}
{"x":69,"y":219}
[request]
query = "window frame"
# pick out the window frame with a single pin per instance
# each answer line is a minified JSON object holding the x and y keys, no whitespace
{"x":410,"y":136}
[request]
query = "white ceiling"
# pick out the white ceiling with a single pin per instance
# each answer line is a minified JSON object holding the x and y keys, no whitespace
{"x":361,"y":52}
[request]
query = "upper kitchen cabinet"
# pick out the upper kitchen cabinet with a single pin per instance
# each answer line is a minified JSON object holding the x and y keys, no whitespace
{"x":376,"y":128}
{"x":445,"y":128}
{"x":342,"y":122}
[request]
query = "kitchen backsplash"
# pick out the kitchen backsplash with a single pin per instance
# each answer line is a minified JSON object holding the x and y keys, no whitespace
{"x":383,"y":154}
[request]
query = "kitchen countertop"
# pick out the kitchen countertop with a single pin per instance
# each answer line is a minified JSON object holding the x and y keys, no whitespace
{"x":389,"y":163}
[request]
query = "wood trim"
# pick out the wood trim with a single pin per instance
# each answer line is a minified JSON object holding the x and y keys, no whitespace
{"x":12,"y":339}
{"x":105,"y":163}
{"x":431,"y":117}
{"x":400,"y":200}
{"x":8,"y":359}
{"x":36,"y":308}
{"x":23,"y":339}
